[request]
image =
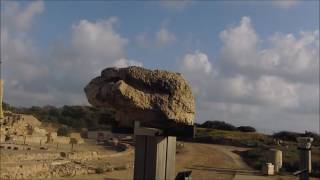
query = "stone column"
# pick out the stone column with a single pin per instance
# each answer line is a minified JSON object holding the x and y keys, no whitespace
{"x":304,"y":146}
{"x":275,"y":157}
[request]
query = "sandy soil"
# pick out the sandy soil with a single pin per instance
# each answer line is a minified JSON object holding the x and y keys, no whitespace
{"x":206,"y":161}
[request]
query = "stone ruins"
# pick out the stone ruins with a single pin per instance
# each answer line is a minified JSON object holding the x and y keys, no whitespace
{"x":30,"y":152}
{"x":26,"y":129}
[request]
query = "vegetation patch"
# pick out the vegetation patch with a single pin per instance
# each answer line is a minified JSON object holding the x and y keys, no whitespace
{"x":76,"y":117}
{"x":234,"y":138}
{"x":63,"y":131}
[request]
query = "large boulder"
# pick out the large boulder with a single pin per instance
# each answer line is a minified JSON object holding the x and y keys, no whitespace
{"x":156,"y":98}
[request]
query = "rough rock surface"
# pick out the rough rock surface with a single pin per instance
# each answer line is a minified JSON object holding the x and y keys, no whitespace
{"x":156,"y":98}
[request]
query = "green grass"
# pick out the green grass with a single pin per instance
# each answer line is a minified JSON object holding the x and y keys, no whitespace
{"x":234,"y":138}
{"x":231,"y":134}
{"x":260,"y":144}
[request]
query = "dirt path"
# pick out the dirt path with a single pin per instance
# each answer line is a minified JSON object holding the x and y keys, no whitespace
{"x":209,"y":161}
{"x":206,"y":161}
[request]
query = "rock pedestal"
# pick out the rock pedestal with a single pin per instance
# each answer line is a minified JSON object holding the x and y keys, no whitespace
{"x":304,"y":146}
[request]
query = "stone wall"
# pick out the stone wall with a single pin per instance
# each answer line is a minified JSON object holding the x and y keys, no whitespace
{"x":51,"y":136}
{"x":28,"y":156}
{"x":43,"y":170}
{"x":75,"y":135}
{"x":61,"y":140}
{"x":76,"y":138}
{"x":2,"y":138}
{"x":45,"y":165}
{"x":38,"y":131}
{"x":30,"y":139}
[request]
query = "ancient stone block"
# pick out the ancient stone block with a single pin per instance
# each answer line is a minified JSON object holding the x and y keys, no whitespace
{"x":156,"y":98}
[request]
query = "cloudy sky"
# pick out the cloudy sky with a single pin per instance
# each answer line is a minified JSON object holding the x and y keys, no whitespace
{"x":248,"y":62}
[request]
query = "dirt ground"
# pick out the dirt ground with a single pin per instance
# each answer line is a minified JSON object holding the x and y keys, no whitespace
{"x":206,"y":161}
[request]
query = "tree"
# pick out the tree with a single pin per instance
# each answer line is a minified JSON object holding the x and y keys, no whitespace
{"x":219,"y":125}
{"x":63,"y":131}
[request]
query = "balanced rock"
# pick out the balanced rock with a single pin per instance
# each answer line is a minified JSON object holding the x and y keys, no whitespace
{"x":156,"y":98}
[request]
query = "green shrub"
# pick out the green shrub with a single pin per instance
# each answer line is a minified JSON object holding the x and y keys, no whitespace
{"x":315,"y":169}
{"x":290,"y":166}
{"x":63,"y":131}
{"x":219,"y":125}
{"x":286,"y":136}
{"x":99,"y":170}
{"x":292,"y":136}
{"x":246,"y":129}
{"x":254,"y":157}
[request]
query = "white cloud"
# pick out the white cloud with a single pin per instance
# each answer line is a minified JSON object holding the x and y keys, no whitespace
{"x":285,"y":3}
{"x":254,"y":85}
{"x":239,"y":44}
{"x":246,"y":83}
{"x":36,"y":78}
{"x":198,"y":70}
{"x":276,"y":92}
{"x":17,"y":19}
{"x":164,"y":36}
{"x":197,"y":62}
{"x":293,"y":58}
{"x":98,"y":39}
{"x":18,"y":52}
{"x":95,"y":45}
{"x":125,"y":63}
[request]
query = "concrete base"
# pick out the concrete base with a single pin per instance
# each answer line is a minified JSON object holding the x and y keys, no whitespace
{"x":154,"y":157}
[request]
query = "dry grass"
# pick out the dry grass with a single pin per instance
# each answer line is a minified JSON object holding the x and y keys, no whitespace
{"x":237,"y":135}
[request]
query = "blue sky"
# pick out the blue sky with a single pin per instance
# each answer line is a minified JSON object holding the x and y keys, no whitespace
{"x":199,"y":22}
{"x":248,"y":62}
